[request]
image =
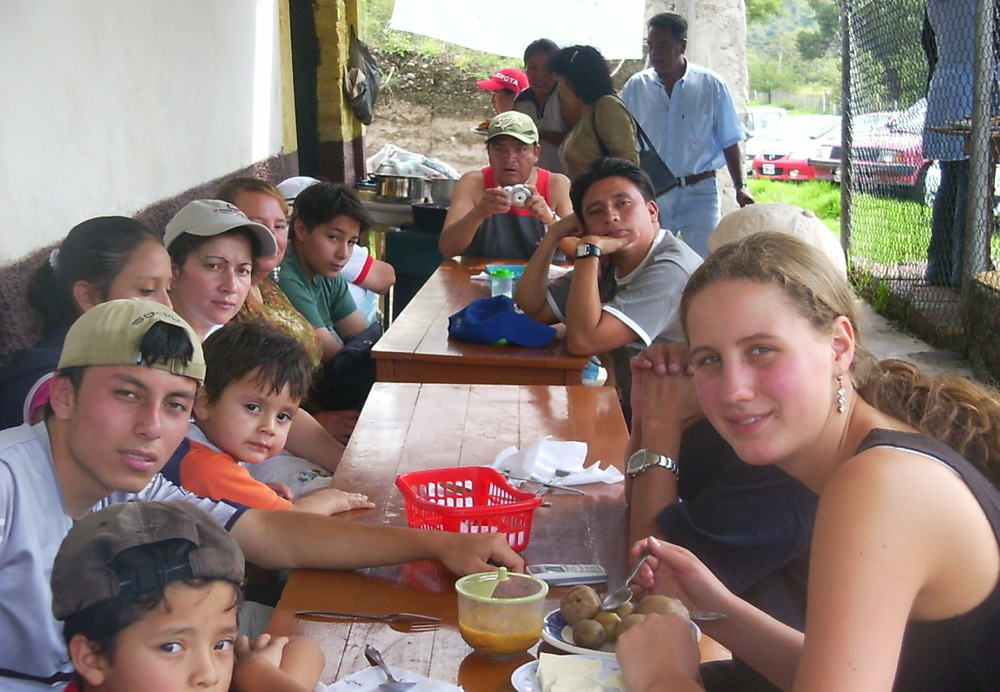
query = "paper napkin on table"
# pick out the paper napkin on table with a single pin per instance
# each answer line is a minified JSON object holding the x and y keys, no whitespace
{"x":540,"y":460}
{"x":370,"y":679}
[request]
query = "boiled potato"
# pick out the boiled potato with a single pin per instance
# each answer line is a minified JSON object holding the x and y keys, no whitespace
{"x":580,"y":603}
{"x":610,"y":622}
{"x":624,"y":609}
{"x":589,"y":634}
{"x":630,"y":621}
{"x":662,"y":605}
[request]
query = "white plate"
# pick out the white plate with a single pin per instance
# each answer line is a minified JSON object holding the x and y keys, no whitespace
{"x":556,"y":632}
{"x":478,"y":131}
{"x":525,"y":678}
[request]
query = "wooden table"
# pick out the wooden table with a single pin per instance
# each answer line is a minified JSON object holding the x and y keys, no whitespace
{"x":416,"y":348}
{"x":407,"y":427}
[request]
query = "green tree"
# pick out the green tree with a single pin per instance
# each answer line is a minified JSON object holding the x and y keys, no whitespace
{"x":762,"y":10}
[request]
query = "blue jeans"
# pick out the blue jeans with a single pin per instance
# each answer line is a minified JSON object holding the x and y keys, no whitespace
{"x":692,"y":212}
{"x":945,"y":252}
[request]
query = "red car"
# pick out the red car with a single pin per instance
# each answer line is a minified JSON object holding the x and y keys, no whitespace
{"x":782,"y":152}
{"x":886,"y":157}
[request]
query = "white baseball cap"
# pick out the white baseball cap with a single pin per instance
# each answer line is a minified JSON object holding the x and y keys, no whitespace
{"x":211,"y":217}
{"x":293,"y":186}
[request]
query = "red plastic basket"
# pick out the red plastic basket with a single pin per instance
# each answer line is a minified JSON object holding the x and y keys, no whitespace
{"x":471,"y":499}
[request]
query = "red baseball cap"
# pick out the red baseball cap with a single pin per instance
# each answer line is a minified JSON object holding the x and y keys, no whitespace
{"x":507,"y":78}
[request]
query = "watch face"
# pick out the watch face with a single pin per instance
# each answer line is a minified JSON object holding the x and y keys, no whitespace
{"x":637,"y":462}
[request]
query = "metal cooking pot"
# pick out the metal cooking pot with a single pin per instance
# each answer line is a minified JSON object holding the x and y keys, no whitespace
{"x":399,"y":188}
{"x":440,"y":190}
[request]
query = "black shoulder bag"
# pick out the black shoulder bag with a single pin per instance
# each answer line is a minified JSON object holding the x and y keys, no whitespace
{"x":659,"y":173}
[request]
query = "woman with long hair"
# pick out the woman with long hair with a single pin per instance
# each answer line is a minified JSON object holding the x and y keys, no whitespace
{"x":101,"y":259}
{"x":604,"y":127}
{"x":903,"y":579}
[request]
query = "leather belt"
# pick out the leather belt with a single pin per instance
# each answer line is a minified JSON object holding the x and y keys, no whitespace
{"x":696,"y":178}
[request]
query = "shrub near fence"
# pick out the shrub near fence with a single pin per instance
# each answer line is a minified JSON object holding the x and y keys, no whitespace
{"x":828,"y":104}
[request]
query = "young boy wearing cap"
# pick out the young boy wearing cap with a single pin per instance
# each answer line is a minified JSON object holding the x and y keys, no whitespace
{"x":504,"y":86}
{"x":256,"y":377}
{"x":120,"y":406}
{"x":484,"y":219}
{"x":625,"y":286}
{"x":148,"y":593}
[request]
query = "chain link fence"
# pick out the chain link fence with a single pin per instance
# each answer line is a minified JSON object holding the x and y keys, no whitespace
{"x":920,"y":185}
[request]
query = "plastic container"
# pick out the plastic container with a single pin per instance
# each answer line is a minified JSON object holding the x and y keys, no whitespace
{"x":471,"y":499}
{"x":500,"y":613}
{"x":502,"y":283}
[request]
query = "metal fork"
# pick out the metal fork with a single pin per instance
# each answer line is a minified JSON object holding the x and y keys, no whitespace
{"x":404,"y":622}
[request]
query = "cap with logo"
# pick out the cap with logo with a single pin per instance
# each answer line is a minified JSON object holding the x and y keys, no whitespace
{"x":112,"y":332}
{"x":514,"y":124}
{"x":84,"y":574}
{"x":508,"y":78}
{"x":211,"y":217}
{"x":498,"y":320}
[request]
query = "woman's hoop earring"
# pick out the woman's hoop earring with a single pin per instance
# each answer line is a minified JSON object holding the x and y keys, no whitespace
{"x":841,"y":395}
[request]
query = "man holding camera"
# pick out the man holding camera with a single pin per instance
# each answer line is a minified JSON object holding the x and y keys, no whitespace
{"x":502,"y":210}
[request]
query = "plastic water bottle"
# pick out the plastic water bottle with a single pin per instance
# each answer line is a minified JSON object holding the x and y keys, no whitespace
{"x":502,"y":283}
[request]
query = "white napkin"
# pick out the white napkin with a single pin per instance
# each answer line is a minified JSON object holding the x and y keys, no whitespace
{"x":541,"y":458}
{"x":555,"y":272}
{"x":371,"y":678}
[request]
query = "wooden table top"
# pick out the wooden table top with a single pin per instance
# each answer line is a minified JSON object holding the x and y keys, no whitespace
{"x":408,"y":427}
{"x":416,"y":347}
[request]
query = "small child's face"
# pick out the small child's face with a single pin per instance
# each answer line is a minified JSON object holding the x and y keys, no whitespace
{"x":247,"y":421}
{"x":185,"y":643}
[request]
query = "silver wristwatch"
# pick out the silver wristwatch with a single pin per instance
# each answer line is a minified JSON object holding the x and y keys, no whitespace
{"x":643,"y":460}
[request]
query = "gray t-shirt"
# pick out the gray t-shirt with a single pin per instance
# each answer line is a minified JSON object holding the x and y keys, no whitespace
{"x":645,"y":300}
{"x":33,"y":524}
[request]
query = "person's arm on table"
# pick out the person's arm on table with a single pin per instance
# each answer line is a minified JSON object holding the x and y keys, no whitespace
{"x":533,"y":286}
{"x":282,"y":539}
{"x":662,"y":408}
{"x":470,"y":206}
{"x":589,"y":328}
{"x":328,"y":501}
{"x":734,"y":164}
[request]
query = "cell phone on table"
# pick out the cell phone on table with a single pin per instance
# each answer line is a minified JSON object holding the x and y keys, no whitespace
{"x":568,"y":575}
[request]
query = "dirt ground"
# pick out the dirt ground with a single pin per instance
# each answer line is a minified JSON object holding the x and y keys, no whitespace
{"x":414,"y":127}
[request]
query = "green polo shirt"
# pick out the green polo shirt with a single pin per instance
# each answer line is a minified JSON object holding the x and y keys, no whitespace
{"x":322,"y":301}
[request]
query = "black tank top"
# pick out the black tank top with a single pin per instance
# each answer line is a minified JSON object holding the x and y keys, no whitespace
{"x":961,"y":653}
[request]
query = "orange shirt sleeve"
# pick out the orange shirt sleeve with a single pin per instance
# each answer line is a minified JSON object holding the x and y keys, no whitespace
{"x":217,"y":475}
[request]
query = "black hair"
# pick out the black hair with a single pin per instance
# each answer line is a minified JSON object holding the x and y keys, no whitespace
{"x":609,"y":167}
{"x":163,"y":342}
{"x":277,"y":359}
{"x":542,"y":45}
{"x":585,"y":70}
{"x":95,"y":251}
{"x":672,"y":22}
{"x":186,"y":243}
{"x":323,"y":202}
{"x":101,"y":623}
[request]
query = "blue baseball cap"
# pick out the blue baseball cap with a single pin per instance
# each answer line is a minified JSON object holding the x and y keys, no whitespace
{"x":498,"y":320}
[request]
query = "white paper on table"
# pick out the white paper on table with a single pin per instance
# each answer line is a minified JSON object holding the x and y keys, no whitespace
{"x":371,"y":678}
{"x":555,"y":272}
{"x":540,"y":460}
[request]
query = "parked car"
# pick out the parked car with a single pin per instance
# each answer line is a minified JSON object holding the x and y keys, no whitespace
{"x":762,"y":117}
{"x":887,"y":158}
{"x":782,"y":151}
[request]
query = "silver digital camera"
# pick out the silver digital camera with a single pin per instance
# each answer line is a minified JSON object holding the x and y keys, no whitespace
{"x":518,"y":194}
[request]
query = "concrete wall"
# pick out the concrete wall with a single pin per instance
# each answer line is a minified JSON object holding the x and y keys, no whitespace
{"x":109,"y":107}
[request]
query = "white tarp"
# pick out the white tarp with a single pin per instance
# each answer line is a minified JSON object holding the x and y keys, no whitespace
{"x":614,"y":27}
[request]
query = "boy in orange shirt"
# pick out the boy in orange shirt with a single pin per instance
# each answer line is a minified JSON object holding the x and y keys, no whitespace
{"x":256,"y":377}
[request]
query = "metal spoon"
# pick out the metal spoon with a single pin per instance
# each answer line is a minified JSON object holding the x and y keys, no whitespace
{"x":623,"y":595}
